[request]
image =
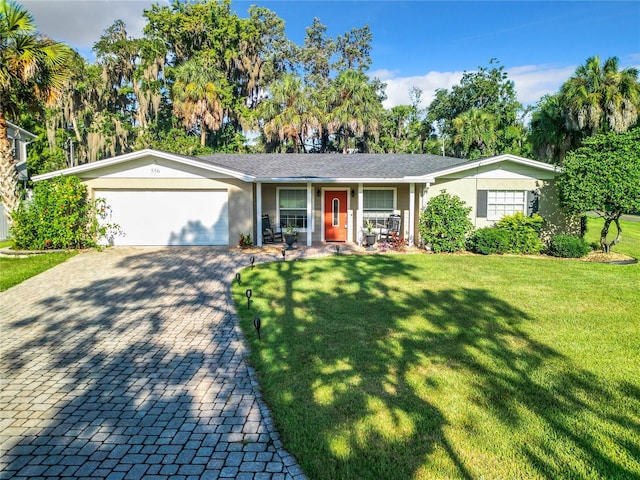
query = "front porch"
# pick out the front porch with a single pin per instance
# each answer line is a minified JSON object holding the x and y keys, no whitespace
{"x":336,"y":212}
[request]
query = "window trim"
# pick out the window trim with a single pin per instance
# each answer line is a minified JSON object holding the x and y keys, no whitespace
{"x":278,"y":190}
{"x":523,"y":205}
{"x":395,"y":201}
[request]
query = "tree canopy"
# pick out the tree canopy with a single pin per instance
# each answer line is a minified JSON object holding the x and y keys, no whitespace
{"x":598,"y":97}
{"x":32,"y":69}
{"x":202,"y":78}
{"x":481,"y":115}
{"x":603,"y":176}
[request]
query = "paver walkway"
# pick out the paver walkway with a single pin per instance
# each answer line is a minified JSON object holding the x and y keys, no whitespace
{"x":129,"y":364}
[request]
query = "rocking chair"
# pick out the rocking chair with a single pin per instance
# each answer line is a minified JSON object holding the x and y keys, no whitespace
{"x":270,"y":234}
{"x":392,"y":226}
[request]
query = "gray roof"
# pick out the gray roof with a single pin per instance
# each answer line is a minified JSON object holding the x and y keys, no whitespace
{"x":332,"y":166}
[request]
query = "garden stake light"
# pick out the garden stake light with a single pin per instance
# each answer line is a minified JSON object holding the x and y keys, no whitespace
{"x":256,"y":324}
{"x":337,"y":249}
{"x":248,"y":294}
{"x":251,"y":261}
{"x":284,"y":253}
{"x":238,"y":278}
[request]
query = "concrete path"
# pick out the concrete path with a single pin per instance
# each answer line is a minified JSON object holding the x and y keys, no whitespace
{"x":129,"y":364}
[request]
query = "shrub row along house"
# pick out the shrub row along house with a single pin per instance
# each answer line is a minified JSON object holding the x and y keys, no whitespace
{"x":160,"y":198}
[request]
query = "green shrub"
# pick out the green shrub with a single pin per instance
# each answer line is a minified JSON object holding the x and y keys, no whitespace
{"x":444,"y":223}
{"x":59,"y":215}
{"x":523,"y":232}
{"x":568,"y":246}
{"x":489,"y":240}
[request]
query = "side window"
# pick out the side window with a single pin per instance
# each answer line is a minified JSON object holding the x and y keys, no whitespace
{"x":505,"y":202}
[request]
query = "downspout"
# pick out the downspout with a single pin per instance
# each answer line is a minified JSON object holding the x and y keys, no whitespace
{"x":412,"y":213}
{"x":360,"y":213}
{"x":309,"y":214}
{"x":259,"y":214}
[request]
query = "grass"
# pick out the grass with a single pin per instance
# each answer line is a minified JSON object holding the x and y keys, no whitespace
{"x":451,"y":366}
{"x":14,"y":270}
{"x":630,"y":243}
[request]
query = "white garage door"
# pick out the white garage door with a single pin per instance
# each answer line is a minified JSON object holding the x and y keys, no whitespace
{"x":169,"y":217}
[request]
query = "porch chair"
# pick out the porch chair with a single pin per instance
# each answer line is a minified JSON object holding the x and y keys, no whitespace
{"x":270,"y":234}
{"x":392,"y":226}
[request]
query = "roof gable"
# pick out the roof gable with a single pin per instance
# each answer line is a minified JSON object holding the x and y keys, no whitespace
{"x":19,"y":133}
{"x":506,"y":158}
{"x":133,"y":165}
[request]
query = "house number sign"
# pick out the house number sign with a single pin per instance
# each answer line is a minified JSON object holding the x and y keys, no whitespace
{"x":155,"y":170}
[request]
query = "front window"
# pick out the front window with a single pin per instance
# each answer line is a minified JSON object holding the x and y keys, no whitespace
{"x":378,"y":204}
{"x":292,"y":204}
{"x":505,"y":202}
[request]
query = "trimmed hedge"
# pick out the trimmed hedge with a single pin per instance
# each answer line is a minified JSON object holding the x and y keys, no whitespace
{"x":568,"y":246}
{"x":523,"y":232}
{"x":489,"y":240}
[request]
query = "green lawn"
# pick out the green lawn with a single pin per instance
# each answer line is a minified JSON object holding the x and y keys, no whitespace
{"x":16,"y":270}
{"x":451,"y":366}
{"x":630,"y":243}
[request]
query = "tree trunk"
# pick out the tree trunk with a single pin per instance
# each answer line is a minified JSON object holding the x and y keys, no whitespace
{"x":301,"y":140}
{"x":603,"y":235}
{"x":8,"y":172}
{"x":203,"y":135}
{"x":606,"y":247}
{"x":616,"y":240}
{"x":324,"y":141}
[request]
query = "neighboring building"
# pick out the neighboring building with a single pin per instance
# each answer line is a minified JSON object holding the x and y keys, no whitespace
{"x":19,"y":138}
{"x":160,"y":198}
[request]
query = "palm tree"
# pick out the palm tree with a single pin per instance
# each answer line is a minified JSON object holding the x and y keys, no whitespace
{"x":32,"y":68}
{"x":600,"y":97}
{"x":288,"y":113}
{"x":475,"y":133}
{"x":200,"y":96}
{"x":549,"y":136}
{"x":356,"y":106}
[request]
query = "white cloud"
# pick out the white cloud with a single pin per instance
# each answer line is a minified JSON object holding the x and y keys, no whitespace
{"x":534,"y":81}
{"x":531,"y":83}
{"x":79,"y":23}
{"x":398,"y":88}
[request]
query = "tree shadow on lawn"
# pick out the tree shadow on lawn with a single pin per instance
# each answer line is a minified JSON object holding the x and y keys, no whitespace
{"x":125,"y":374}
{"x":370,"y":377}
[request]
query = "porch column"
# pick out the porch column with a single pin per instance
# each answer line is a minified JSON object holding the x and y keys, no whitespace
{"x":259,"y":214}
{"x":412,"y":213}
{"x":309,"y":214}
{"x":360,"y":214}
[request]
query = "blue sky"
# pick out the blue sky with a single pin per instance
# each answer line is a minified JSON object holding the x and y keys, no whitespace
{"x":427,"y":44}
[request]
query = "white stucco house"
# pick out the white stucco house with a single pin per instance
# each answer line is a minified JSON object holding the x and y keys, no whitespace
{"x":161,"y":198}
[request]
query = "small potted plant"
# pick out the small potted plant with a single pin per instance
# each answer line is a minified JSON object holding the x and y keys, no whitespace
{"x":370,"y":235}
{"x":290,"y":236}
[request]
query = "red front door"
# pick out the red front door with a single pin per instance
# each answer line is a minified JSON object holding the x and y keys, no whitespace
{"x":335,"y":216}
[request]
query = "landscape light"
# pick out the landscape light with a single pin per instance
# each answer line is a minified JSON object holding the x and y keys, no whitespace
{"x":248,"y":294}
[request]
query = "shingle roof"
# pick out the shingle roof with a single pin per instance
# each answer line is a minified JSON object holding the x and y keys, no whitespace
{"x":332,"y":166}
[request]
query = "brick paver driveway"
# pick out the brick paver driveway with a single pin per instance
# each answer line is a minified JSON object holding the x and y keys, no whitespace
{"x":129,"y":364}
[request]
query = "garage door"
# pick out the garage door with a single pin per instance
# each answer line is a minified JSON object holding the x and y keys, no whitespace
{"x":169,"y":217}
